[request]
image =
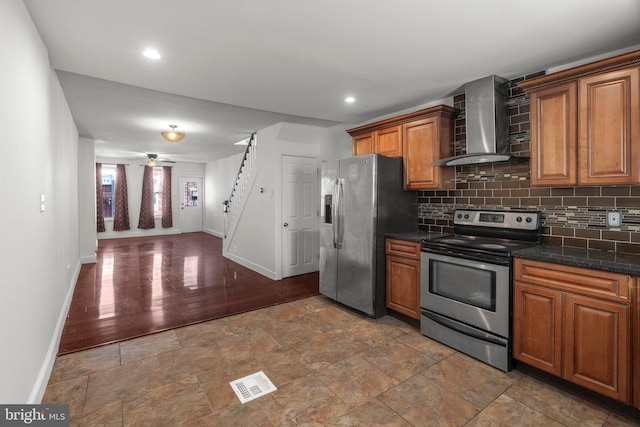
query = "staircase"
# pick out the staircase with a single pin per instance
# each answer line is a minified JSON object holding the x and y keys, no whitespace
{"x":245,"y":178}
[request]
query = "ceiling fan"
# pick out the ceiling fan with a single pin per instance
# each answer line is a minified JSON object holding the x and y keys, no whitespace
{"x":152,"y":159}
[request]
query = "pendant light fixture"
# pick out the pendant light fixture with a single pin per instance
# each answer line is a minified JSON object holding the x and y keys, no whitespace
{"x":172,"y":135}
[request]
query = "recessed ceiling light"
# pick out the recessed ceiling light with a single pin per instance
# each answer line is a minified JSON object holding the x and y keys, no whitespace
{"x":151,"y":54}
{"x":349,"y":100}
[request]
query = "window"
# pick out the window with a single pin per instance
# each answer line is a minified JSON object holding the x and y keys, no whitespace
{"x":158,"y":176}
{"x":108,"y":188}
{"x":190,"y":193}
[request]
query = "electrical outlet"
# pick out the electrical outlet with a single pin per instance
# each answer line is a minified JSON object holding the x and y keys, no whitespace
{"x":614,"y":219}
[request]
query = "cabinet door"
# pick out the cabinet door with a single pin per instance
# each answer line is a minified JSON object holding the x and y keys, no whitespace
{"x":403,"y":285}
{"x":537,"y":327}
{"x":423,"y":145}
{"x":389,"y":141}
{"x":596,"y":346}
{"x":362,"y":144}
{"x":608,"y":127}
{"x":553,"y":136}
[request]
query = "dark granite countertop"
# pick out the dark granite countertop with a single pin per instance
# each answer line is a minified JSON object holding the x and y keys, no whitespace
{"x":414,"y":236}
{"x":615,"y":262}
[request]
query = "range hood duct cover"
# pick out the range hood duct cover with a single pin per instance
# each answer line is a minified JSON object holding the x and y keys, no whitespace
{"x":486,"y":124}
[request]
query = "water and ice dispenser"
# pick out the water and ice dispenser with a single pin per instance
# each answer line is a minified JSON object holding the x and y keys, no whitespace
{"x":328,"y":208}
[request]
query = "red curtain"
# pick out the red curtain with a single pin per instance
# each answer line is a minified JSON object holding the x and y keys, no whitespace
{"x":147,"y":220}
{"x":99,"y":212}
{"x":167,"y":213}
{"x":121,"y":201}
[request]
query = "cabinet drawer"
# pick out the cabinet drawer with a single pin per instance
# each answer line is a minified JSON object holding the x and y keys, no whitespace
{"x":402,"y":248}
{"x":585,"y":281}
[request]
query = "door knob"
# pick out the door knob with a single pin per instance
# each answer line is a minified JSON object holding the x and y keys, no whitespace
{"x":286,"y":224}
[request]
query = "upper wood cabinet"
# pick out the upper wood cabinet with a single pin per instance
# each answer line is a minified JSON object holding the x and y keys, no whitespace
{"x":420,"y":138}
{"x":363,"y":144}
{"x":553,"y":135}
{"x":424,"y":143}
{"x":388,"y":141}
{"x":584,"y":124}
{"x":609,"y":116}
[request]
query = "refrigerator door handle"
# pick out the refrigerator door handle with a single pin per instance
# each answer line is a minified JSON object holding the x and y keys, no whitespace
{"x":339,"y":217}
{"x":334,"y":214}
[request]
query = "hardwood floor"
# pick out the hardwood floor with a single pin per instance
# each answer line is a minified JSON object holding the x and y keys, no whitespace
{"x":140,"y":286}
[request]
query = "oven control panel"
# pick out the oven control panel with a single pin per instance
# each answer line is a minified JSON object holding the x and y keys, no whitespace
{"x":497,"y":219}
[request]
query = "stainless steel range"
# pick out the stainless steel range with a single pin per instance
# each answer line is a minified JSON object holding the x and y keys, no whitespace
{"x":465,"y":289}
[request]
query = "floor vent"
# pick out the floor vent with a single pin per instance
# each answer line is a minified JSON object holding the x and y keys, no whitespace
{"x":252,"y":386}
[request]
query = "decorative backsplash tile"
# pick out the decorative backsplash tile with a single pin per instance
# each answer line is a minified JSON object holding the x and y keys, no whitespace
{"x":571,"y":216}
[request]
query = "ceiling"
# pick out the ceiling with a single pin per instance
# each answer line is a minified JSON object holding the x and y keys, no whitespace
{"x":230,"y":68}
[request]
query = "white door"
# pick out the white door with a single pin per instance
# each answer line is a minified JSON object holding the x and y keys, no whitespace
{"x":190,"y":196}
{"x":300,"y":244}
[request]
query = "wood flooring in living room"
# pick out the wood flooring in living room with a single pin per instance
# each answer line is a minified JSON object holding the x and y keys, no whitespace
{"x":140,"y":286}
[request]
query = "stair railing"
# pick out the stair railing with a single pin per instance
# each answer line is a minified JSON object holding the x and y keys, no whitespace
{"x":231,"y":206}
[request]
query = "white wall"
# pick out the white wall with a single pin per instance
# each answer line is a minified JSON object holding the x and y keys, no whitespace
{"x":336,"y":143}
{"x":256,"y":244}
{"x":39,"y":255}
{"x":135,"y":171}
{"x":219,"y":178}
{"x":87,"y":200}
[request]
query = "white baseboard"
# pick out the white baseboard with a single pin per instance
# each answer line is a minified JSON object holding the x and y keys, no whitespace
{"x":250,"y":265}
{"x":40,"y":385}
{"x":214,"y":232}
{"x":88,"y":259}
{"x":138,"y":233}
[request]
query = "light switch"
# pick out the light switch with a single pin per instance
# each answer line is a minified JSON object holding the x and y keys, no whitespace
{"x":42,"y":203}
{"x":614,"y":219}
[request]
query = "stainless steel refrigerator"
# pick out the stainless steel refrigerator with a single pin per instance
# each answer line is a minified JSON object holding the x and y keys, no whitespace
{"x":362,"y":200}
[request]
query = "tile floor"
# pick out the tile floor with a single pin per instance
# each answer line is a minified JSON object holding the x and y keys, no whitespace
{"x":332,"y":367}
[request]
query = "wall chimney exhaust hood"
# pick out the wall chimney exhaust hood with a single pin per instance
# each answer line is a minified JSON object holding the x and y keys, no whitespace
{"x":486,"y":123}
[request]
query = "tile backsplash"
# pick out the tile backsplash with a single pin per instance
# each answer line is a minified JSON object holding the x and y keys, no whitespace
{"x":571,"y":216}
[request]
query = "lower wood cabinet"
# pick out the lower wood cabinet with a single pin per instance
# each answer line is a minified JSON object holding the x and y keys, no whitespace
{"x":574,"y":323}
{"x":596,"y":345}
{"x":537,"y":327}
{"x":403,"y":277}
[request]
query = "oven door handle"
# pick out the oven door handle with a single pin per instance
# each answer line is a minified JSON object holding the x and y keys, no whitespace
{"x":485,"y":258}
{"x":451,"y":325}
